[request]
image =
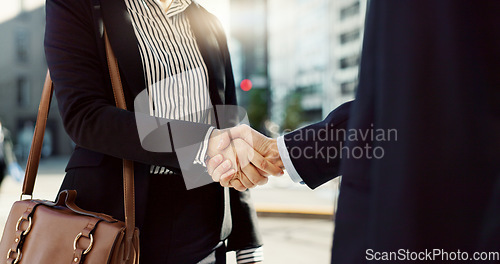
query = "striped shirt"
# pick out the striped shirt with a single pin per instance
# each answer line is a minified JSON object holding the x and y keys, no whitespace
{"x":174,"y":70}
{"x":175,"y":74}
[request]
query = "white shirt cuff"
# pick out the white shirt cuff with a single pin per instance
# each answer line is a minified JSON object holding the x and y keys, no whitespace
{"x":202,"y":151}
{"x":287,"y":162}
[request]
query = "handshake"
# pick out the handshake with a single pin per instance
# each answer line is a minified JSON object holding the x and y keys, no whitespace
{"x":242,"y":158}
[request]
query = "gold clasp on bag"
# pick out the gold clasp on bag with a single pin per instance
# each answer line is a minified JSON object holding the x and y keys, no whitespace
{"x":19,"y":223}
{"x":88,"y":248}
{"x":17,"y":257}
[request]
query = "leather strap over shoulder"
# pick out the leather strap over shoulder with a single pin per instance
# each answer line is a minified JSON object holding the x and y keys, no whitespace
{"x":128,"y":166}
{"x":36,"y":144}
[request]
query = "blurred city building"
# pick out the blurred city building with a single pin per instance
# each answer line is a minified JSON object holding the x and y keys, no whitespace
{"x":23,"y":68}
{"x":248,"y":44}
{"x":314,"y":53}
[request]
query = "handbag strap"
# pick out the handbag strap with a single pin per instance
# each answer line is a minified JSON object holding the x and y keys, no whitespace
{"x":36,"y":144}
{"x":128,"y":166}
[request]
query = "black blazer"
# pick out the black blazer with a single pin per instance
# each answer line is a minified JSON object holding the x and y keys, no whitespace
{"x":430,"y":70}
{"x":104,"y":134}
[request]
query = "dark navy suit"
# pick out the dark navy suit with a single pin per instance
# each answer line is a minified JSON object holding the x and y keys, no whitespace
{"x":430,"y":70}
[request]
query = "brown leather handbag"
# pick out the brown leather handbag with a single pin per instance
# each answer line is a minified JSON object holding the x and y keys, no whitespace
{"x":44,"y":232}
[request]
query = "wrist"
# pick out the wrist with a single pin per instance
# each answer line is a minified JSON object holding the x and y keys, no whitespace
{"x":212,"y":143}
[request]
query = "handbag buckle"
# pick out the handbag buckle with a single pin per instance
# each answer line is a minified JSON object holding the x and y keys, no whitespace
{"x":25,"y":232}
{"x":90,"y":245}
{"x":17,"y":257}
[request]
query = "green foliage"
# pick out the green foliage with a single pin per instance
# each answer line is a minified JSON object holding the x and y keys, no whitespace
{"x":294,"y":114}
{"x":257,"y":108}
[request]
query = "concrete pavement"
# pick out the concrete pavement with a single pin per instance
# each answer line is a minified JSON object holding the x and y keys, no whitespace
{"x":289,"y":239}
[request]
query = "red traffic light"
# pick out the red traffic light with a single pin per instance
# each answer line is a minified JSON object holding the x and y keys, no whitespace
{"x":246,"y":85}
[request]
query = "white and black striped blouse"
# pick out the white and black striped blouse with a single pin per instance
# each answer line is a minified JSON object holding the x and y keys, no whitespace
{"x":175,"y":73}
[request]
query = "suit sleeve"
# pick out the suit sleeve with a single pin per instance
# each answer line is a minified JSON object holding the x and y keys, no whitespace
{"x":85,"y":98}
{"x":315,"y":149}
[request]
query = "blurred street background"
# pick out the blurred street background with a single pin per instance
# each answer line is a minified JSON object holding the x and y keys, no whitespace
{"x":294,"y":61}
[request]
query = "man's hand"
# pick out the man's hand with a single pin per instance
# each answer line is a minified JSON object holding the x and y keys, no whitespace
{"x":257,"y":154}
{"x":267,"y":147}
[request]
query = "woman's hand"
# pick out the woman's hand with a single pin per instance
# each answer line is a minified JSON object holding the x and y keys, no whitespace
{"x":237,"y":163}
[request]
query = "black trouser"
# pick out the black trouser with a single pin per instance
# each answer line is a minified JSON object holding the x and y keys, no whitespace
{"x":3,"y":169}
{"x":180,"y":226}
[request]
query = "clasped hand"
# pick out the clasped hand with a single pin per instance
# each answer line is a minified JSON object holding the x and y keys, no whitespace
{"x":242,"y":158}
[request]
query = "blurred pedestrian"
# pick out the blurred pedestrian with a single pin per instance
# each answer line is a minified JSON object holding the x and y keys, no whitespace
{"x":24,"y":140}
{"x":3,"y":163}
{"x":8,"y":161}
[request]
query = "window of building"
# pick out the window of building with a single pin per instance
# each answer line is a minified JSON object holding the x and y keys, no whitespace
{"x":23,"y":92}
{"x":350,"y":61}
{"x":349,"y":11}
{"x":350,"y":36}
{"x":348,"y":88}
{"x":22,"y":43}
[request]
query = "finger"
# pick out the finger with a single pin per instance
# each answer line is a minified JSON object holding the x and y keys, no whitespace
{"x":214,"y":162}
{"x":229,"y":179}
{"x":228,"y":175}
{"x":264,"y":181}
{"x":263,"y":173}
{"x":253,"y":158}
{"x":225,"y":180}
{"x":263,"y":164}
{"x":246,"y":181}
{"x":252,"y":175}
{"x":275,"y":159}
{"x":265,"y":177}
{"x":238,"y":185}
{"x":229,"y":183}
{"x":222,"y":169}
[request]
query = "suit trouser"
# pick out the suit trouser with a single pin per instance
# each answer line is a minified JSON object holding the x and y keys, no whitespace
{"x":181,"y":226}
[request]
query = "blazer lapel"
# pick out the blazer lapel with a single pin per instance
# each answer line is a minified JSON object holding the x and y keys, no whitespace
{"x":123,"y":41}
{"x":204,"y":31}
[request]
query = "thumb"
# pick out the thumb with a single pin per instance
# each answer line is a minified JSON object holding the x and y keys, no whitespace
{"x":242,"y":131}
